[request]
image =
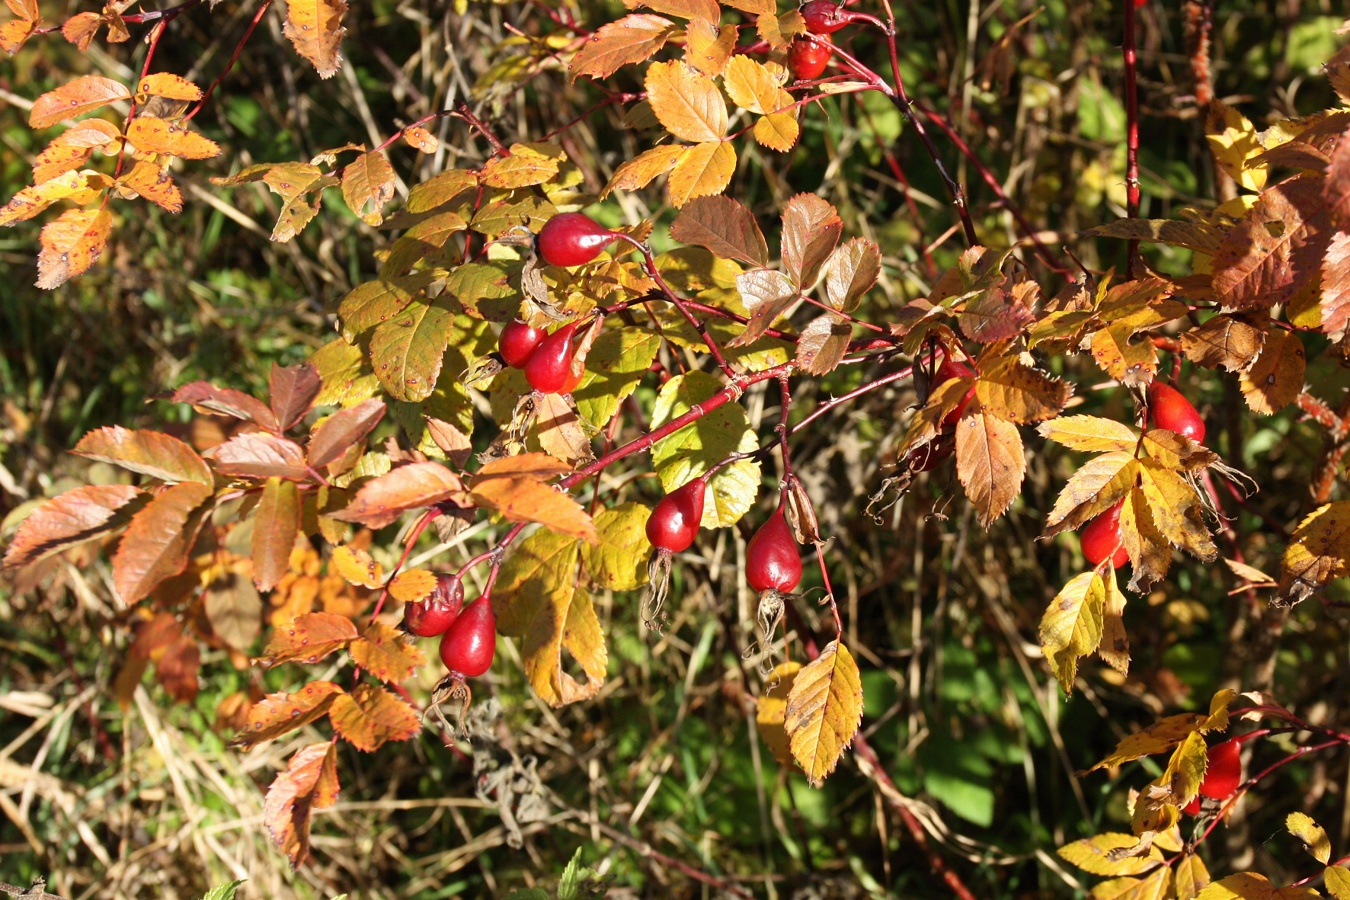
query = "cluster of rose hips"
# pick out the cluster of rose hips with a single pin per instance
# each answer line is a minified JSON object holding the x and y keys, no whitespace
{"x":468,"y":633}
{"x":809,"y":53}
{"x":1168,"y":409}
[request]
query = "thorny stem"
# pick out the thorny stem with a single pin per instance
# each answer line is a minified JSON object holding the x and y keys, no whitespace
{"x":462,"y":111}
{"x":1131,"y":131}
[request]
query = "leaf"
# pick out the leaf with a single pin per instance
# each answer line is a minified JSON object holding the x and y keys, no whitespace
{"x":85,"y":94}
{"x":314,"y":28}
{"x":1157,"y":886}
{"x":370,"y":716}
{"x":356,"y":567}
{"x":824,"y":711}
{"x":536,"y":599}
{"x":1334,"y":300}
{"x":15,"y":33}
{"x":686,"y":102}
{"x":385,"y":653}
{"x":73,"y":517}
{"x":1092,"y":489}
{"x":420,"y":139}
{"x":1072,"y":627}
{"x":1159,"y":737}
{"x":1252,"y":886}
{"x":638,"y":172}
{"x":1148,"y":548}
{"x":412,"y":584}
{"x":691,"y":451}
{"x":1016,"y":392}
{"x":771,"y":712}
{"x":823,"y":343}
{"x":1338,"y":882}
{"x":1190,"y":877}
{"x":1317,"y":552}
{"x":234,"y":609}
{"x":382,"y":500}
{"x":708,"y":47}
{"x":156,"y":544}
{"x":613,"y":46}
{"x":279,"y":714}
{"x":209,"y":399}
{"x":78,"y":187}
{"x":152,"y":181}
{"x":1114,"y":648}
{"x":812,"y":230}
{"x":307,"y":639}
{"x":1175,"y":508}
{"x":224,"y":891}
{"x":525,"y":497}
{"x":71,"y":243}
{"x":275,"y":526}
{"x":407,"y":351}
{"x":1232,"y":342}
{"x":1276,"y":250}
{"x":701,"y":170}
{"x":310,"y":782}
{"x":169,"y":86}
{"x":1090,"y":433}
{"x":777,"y":131}
{"x":767,"y":295}
{"x":150,"y":135}
{"x":560,"y":431}
{"x":618,"y":560}
{"x":724,"y":226}
{"x":293,"y":390}
{"x":615,"y":366}
{"x":1313,"y":836}
{"x":1234,"y":142}
{"x":684,"y":9}
{"x":367,"y":185}
{"x":146,"y":452}
{"x":1195,"y":236}
{"x":342,"y":430}
{"x":525,"y":166}
{"x":1276,"y":378}
{"x":990,"y":463}
{"x":1094,"y":855}
{"x":751,"y":85}
{"x":854,"y":269}
{"x":998,"y":314}
{"x":1175,"y":451}
{"x":260,"y":455}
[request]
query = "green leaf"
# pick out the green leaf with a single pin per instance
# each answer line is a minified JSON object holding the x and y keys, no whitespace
{"x":693,"y":450}
{"x":614,"y":366}
{"x":570,"y":883}
{"x":223,"y":891}
{"x":619,"y":561}
{"x":407,"y":351}
{"x":487,"y":290}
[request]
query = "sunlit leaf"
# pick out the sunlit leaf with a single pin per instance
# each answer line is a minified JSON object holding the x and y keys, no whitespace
{"x":824,"y":711}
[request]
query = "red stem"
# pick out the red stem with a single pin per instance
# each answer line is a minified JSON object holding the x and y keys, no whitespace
{"x":1131,"y":131}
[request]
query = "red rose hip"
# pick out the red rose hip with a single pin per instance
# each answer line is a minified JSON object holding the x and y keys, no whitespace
{"x":572,"y":239}
{"x":549,"y":369}
{"x":518,"y":342}
{"x":431,"y":617}
{"x":1223,"y":770}
{"x":771,"y":559}
{"x":1168,"y":408}
{"x":468,"y":646}
{"x":808,"y":55}
{"x":674,"y":522}
{"x":1101,"y":538}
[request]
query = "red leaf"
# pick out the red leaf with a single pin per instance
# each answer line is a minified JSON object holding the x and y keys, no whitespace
{"x":275,"y":526}
{"x":260,"y":455}
{"x":386,"y":653}
{"x":415,"y":486}
{"x":343,"y":429}
{"x":71,"y":518}
{"x":207,"y":398}
{"x":1336,"y":285}
{"x":147,"y":452}
{"x":724,"y":226}
{"x":308,"y":639}
{"x":310,"y":782}
{"x":371,"y":716}
{"x":1275,"y":251}
{"x":293,"y":390}
{"x":158,"y":540}
{"x":811,"y":229}
{"x":278,"y":714}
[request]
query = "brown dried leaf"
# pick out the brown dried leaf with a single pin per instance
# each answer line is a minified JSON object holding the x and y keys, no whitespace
{"x":811,"y":229}
{"x":998,"y":314}
{"x":560,"y":431}
{"x":370,"y":716}
{"x":1317,"y":554}
{"x":73,"y":517}
{"x":147,"y":452}
{"x":293,"y":390}
{"x":234,"y":609}
{"x":315,"y":28}
{"x":724,"y":226}
{"x":385,"y":653}
{"x":1276,"y":251}
{"x":989,"y":462}
{"x":310,"y":782}
{"x":823,"y":344}
{"x":156,"y":544}
{"x":1230,"y":341}
{"x":1196,"y":236}
{"x":343,"y":429}
{"x":853,"y":270}
{"x":275,"y":526}
{"x":307,"y":639}
{"x":1276,"y":378}
{"x":767,"y":295}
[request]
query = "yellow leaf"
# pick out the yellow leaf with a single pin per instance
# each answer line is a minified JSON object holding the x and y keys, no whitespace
{"x":1131,"y":364}
{"x":367,"y":185}
{"x":1148,"y":548}
{"x":771,"y":712}
{"x":1156,"y":886}
{"x":77,"y":187}
{"x":524,"y":167}
{"x":1096,"y":486}
{"x":1233,"y":141}
{"x":708,"y":47}
{"x":356,"y":567}
{"x":1090,"y":434}
{"x":1317,"y":552}
{"x":1093,"y":855}
{"x":777,"y":31}
{"x":71,"y":244}
{"x":1251,"y":886}
{"x":752,"y":86}
{"x":684,"y":9}
{"x":1313,"y":836}
{"x":638,"y":172}
{"x":1115,"y":645}
{"x":1175,"y":507}
{"x":1276,"y":378}
{"x":702,"y":170}
{"x":169,"y":86}
{"x":151,"y":135}
{"x":1338,"y":882}
{"x":315,"y":28}
{"x":824,"y":710}
{"x":414,"y":584}
{"x":990,"y":463}
{"x":777,"y":131}
{"x":1072,"y":626}
{"x":1012,"y":390}
{"x":1191,"y":878}
{"x":686,"y":102}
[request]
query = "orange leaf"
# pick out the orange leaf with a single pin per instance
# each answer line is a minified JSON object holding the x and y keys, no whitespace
{"x":387,"y":653}
{"x":703,"y":169}
{"x":629,"y":40}
{"x":638,"y":172}
{"x":533,"y":465}
{"x":307,"y":639}
{"x":416,"y":486}
{"x":260,"y":455}
{"x":14,"y":34}
{"x":1276,"y":378}
{"x":234,"y":609}
{"x":420,"y":139}
{"x":275,"y":525}
{"x":152,"y":181}
{"x":1229,"y":341}
{"x":84,"y":94}
{"x":1275,"y":252}
{"x":778,"y":131}
{"x":169,"y":86}
{"x":80,"y":29}
{"x":686,"y":102}
{"x":343,"y":429}
{"x":157,"y":542}
{"x":278,"y":714}
{"x":73,"y":517}
{"x":356,"y":567}
{"x":71,"y":244}
{"x":1335,"y":298}
{"x":684,"y":9}
{"x":207,"y":398}
{"x":150,"y":135}
{"x":989,"y":462}
{"x":310,"y":782}
{"x":1016,"y":392}
{"x":147,"y":452}
{"x":824,"y":711}
{"x":560,"y":431}
{"x":371,"y":716}
{"x":367,"y":185}
{"x":315,"y":28}
{"x":708,"y":48}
